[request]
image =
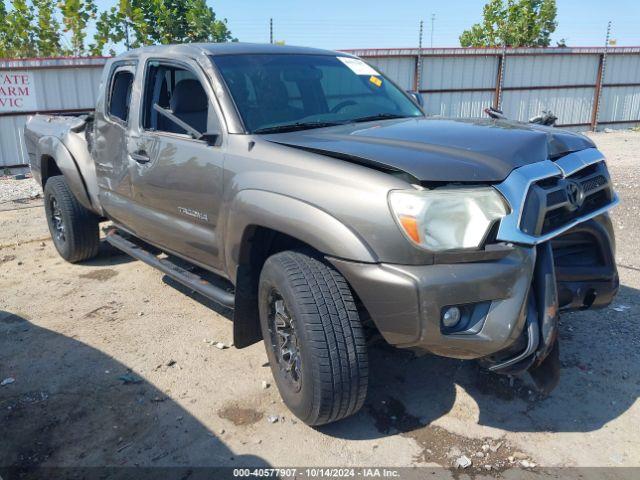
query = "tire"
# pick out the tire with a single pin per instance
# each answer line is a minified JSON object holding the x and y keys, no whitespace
{"x":74,"y":229}
{"x":325,"y":379}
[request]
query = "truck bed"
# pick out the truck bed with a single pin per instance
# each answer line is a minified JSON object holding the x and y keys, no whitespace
{"x":67,"y":138}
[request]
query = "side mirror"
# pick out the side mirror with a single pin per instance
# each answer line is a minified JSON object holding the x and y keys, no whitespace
{"x":416,"y":97}
{"x":212,"y":138}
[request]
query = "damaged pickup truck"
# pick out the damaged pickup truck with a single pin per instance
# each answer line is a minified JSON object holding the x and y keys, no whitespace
{"x":307,"y":192}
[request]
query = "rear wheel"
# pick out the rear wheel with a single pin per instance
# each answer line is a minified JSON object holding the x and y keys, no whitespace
{"x":74,"y":229}
{"x":313,"y":336}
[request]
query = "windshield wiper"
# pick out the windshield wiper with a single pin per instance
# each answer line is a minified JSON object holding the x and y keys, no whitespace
{"x":378,"y":116}
{"x":292,"y":127}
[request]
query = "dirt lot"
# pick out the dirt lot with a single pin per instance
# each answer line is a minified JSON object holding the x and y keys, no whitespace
{"x":114,"y":365}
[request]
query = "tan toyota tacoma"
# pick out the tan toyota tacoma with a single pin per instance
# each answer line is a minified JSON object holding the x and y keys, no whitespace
{"x":306,"y":191}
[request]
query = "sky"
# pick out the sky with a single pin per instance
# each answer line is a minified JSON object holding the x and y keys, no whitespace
{"x":344,"y":24}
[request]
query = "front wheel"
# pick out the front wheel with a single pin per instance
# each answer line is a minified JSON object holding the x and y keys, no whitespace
{"x":314,"y":339}
{"x":74,"y":229}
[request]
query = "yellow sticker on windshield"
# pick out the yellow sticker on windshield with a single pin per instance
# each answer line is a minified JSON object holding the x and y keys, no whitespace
{"x":375,"y":80}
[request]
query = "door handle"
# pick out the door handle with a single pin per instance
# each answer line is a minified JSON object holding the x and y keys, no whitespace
{"x":140,"y":156}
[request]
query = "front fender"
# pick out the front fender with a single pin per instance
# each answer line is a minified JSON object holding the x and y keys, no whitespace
{"x":292,"y":217}
{"x":50,"y":146}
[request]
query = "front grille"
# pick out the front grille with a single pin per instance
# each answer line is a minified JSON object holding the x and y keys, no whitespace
{"x":557,"y":197}
{"x":554,"y":202}
{"x":594,"y":183}
{"x":557,"y":218}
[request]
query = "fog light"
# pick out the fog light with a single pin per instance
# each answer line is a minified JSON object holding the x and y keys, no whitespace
{"x":451,"y":317}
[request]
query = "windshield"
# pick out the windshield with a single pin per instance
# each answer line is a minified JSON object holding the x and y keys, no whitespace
{"x":279,"y":92}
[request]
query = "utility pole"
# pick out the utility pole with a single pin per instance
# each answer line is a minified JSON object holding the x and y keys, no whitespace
{"x":433,"y":21}
{"x":502,"y":62}
{"x":419,"y":57}
{"x":126,"y":34}
{"x":599,"y":80}
{"x":271,"y":30}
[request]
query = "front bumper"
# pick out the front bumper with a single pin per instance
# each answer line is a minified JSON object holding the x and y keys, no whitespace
{"x":501,"y":298}
{"x":406,"y":301}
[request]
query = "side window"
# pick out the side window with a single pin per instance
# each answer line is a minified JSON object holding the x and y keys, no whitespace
{"x":120,"y":95}
{"x":175,"y":101}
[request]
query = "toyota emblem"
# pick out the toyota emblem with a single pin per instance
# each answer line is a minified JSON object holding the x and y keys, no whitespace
{"x":575,"y":193}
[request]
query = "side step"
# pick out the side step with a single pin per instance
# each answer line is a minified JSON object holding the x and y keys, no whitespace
{"x":189,"y":279}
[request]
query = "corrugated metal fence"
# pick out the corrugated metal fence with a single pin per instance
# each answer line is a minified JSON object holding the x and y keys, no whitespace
{"x":461,"y":82}
{"x":455,"y":82}
{"x":53,"y":85}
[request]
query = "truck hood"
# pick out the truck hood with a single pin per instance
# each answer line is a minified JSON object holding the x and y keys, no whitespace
{"x":439,"y":150}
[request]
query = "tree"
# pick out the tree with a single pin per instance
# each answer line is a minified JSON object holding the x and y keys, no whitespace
{"x":146,"y":22}
{"x":514,"y":23}
{"x":47,"y":29}
{"x":105,"y":32}
{"x":4,"y":43}
{"x":31,"y":27}
{"x":76,"y":14}
{"x":19,"y":37}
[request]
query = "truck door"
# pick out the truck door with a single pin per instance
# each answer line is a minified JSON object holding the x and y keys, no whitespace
{"x":176,"y":171}
{"x":113,"y":117}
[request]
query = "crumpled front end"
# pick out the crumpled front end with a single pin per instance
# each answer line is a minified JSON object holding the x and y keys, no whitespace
{"x":553,"y":251}
{"x":575,"y":271}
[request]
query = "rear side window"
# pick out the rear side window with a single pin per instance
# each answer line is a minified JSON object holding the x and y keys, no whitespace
{"x":120,"y":95}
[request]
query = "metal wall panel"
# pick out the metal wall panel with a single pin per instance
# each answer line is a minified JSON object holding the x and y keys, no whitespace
{"x":562,"y":70}
{"x":457,"y":104}
{"x":482,"y":51}
{"x":622,"y":69}
{"x":68,"y":88}
{"x":620,"y":104}
{"x":72,"y":83}
{"x":401,"y":70}
{"x":570,"y":105}
{"x":12,"y":149}
{"x":60,"y":84}
{"x":458,"y":72}
{"x":550,"y":70}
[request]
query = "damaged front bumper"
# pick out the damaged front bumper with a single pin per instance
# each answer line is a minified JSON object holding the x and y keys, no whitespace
{"x":509,"y":306}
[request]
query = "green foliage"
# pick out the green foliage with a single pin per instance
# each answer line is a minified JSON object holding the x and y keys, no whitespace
{"x":76,"y":14}
{"x":148,"y":22}
{"x":29,"y":29}
{"x":514,"y":23}
{"x":4,"y":43}
{"x":18,"y":38}
{"x":47,"y":29}
{"x":43,"y":28}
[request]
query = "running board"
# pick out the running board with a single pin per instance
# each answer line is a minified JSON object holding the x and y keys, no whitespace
{"x":185,"y":277}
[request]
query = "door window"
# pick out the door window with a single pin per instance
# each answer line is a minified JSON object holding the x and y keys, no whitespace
{"x":175,"y":101}
{"x":120,"y":95}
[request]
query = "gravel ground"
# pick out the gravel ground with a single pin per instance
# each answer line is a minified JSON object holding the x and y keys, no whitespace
{"x":115,"y":365}
{"x":17,"y":191}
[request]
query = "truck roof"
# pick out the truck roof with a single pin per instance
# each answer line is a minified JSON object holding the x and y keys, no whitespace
{"x":229,"y":48}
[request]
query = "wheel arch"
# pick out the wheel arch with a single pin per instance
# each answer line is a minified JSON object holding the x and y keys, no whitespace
{"x":261,"y":224}
{"x":254,"y":209}
{"x":55,"y":159}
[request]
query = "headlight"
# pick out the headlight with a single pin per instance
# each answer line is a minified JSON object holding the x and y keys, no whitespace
{"x":447,"y":218}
